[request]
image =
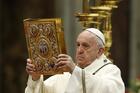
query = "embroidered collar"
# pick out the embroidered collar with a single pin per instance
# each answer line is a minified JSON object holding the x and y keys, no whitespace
{"x":95,"y":65}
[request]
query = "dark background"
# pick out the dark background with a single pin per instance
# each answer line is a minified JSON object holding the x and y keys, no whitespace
{"x":13,"y":49}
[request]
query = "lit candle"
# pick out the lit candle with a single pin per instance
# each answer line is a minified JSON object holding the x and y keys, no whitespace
{"x":85,"y":6}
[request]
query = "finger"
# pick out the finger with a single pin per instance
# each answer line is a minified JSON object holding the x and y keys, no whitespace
{"x":63,"y":56}
{"x":54,"y":59}
{"x":30,"y":65}
{"x":63,"y":68}
{"x":62,"y":63}
{"x":29,"y":60}
{"x":61,"y":59}
{"x":30,"y":72}
{"x":29,"y":68}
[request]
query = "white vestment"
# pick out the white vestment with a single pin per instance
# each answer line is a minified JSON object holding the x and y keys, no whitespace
{"x":105,"y":80}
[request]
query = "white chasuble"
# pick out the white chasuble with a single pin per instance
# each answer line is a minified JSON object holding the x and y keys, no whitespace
{"x":99,"y":78}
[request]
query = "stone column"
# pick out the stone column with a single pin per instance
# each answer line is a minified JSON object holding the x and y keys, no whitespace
{"x":66,"y":9}
{"x":135,"y":40}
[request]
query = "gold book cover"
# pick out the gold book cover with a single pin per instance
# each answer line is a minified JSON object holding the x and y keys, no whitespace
{"x":45,"y":41}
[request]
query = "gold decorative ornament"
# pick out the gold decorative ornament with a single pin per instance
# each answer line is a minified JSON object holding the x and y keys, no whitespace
{"x":45,"y":41}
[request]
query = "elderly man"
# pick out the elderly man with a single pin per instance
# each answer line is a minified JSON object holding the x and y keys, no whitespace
{"x":92,"y":72}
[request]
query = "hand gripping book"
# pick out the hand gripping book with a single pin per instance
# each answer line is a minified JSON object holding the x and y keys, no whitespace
{"x":45,"y":41}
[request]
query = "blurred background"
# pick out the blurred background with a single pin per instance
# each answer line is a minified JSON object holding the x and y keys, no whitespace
{"x":125,"y":48}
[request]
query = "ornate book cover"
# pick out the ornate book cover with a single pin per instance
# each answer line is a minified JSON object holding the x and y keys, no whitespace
{"x":45,"y":41}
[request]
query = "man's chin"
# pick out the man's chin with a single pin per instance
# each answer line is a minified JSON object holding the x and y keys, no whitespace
{"x":79,"y":62}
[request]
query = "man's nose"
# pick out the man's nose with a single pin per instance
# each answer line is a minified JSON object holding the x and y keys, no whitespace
{"x":80,"y":49}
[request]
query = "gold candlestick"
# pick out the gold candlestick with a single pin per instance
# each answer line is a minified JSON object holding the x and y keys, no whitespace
{"x":99,"y":16}
{"x":88,"y":20}
{"x":111,"y":3}
{"x":85,"y":6}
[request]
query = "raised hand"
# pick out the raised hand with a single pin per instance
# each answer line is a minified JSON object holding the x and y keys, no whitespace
{"x":30,"y":68}
{"x":65,"y":62}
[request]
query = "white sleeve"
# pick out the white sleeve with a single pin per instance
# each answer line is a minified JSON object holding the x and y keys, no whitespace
{"x":35,"y":86}
{"x":109,"y":81}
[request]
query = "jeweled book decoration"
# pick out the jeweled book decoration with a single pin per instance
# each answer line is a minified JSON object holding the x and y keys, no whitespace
{"x":45,"y":41}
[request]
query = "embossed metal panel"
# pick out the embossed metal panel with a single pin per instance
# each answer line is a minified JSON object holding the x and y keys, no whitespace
{"x":45,"y":41}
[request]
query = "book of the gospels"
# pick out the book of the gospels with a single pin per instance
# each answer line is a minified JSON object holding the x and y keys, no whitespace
{"x":45,"y":41}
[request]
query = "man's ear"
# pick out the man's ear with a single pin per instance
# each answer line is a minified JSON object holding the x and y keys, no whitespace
{"x":100,"y":52}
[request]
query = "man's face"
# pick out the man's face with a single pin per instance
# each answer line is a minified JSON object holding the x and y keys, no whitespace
{"x":87,"y":49}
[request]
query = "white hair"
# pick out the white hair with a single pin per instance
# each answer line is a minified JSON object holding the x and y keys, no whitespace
{"x":99,"y":42}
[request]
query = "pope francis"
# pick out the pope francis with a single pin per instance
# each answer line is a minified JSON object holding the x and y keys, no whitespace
{"x":92,"y":72}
